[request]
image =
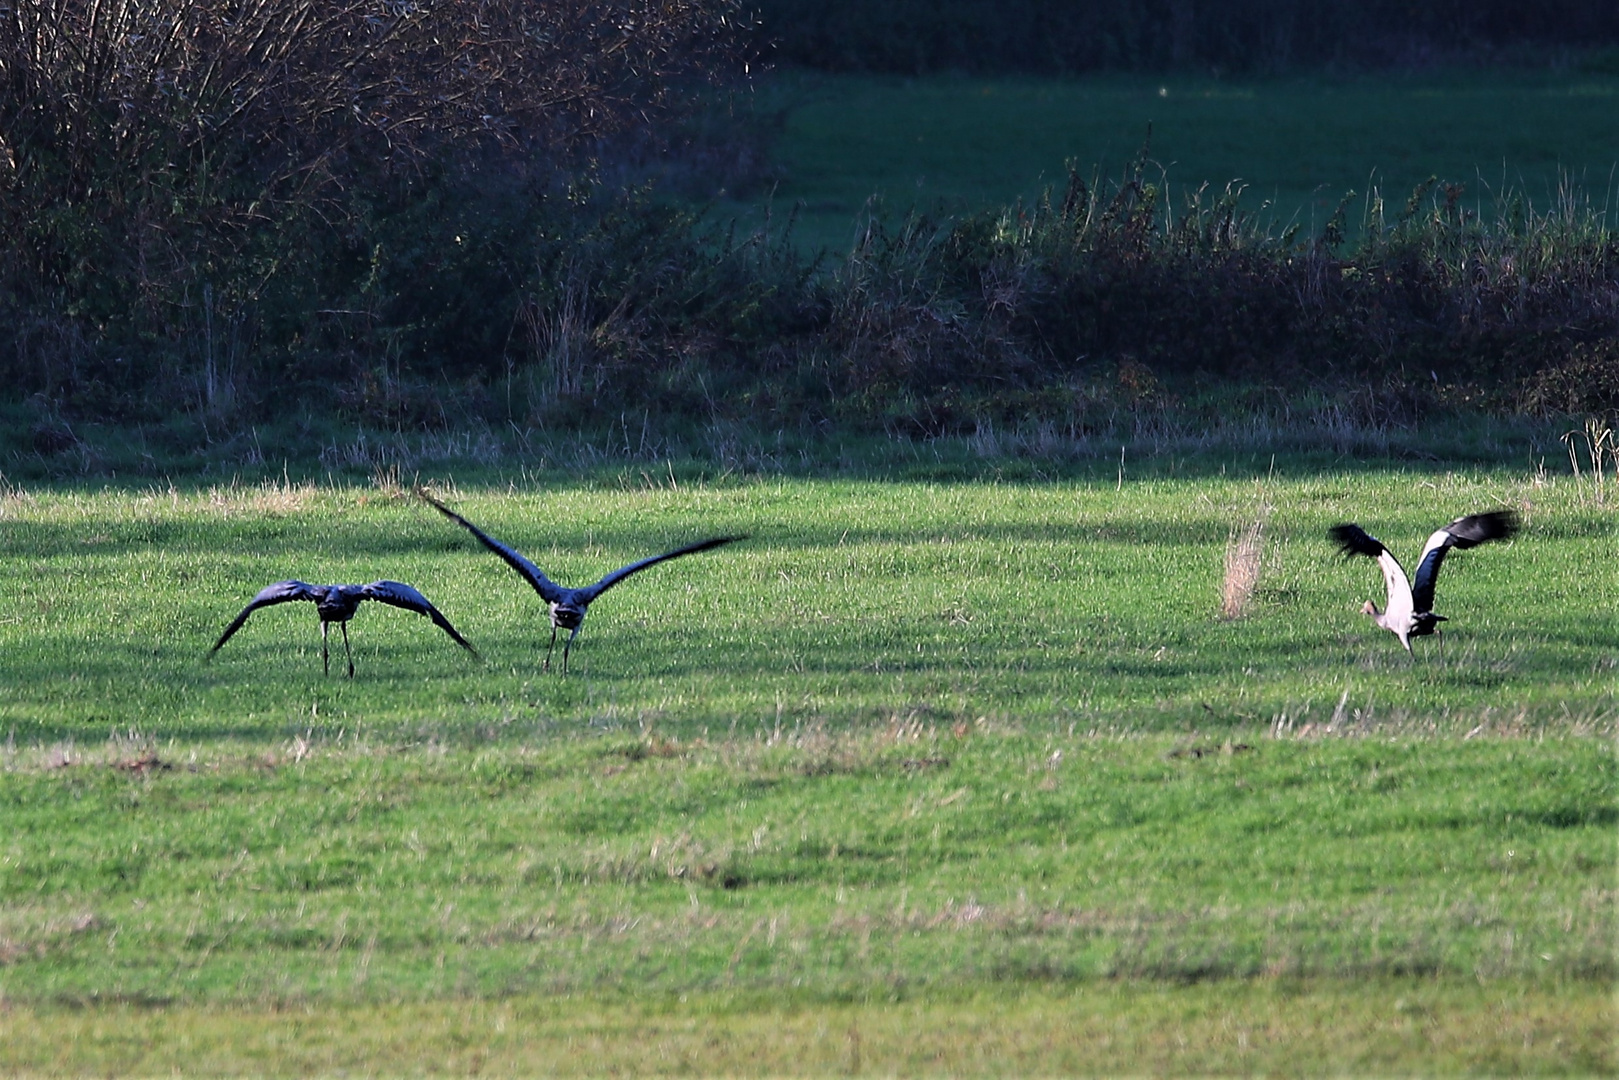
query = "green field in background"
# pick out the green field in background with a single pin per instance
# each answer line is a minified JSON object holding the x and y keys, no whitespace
{"x":962,"y":144}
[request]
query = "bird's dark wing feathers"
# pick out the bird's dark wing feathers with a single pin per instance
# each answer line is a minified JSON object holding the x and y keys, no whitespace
{"x":401,"y":595}
{"x":549,"y":591}
{"x":1463,"y":533}
{"x":1476,"y":529}
{"x":592,"y":591}
{"x":1354,"y":540}
{"x":279,"y":593}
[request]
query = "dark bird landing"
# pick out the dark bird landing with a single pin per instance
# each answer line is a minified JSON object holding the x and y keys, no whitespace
{"x":337,"y":604}
{"x":1410,"y":607}
{"x":567,"y":605}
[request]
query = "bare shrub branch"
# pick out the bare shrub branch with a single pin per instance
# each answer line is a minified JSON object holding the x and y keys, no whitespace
{"x":103,"y":80}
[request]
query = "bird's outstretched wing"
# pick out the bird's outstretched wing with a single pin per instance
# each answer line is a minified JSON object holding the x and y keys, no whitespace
{"x":1463,"y":533}
{"x":279,"y":593}
{"x":1353,"y":540}
{"x":398,"y":594}
{"x":549,"y":590}
{"x":590,"y":592}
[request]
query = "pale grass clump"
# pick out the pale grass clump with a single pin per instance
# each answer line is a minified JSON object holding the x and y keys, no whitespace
{"x":1244,"y":558}
{"x":12,"y":498}
{"x":34,"y":930}
{"x":270,"y":496}
{"x":387,"y":482}
{"x":283,"y":497}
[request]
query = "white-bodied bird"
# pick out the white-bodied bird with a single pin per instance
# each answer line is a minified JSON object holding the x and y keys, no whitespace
{"x":1410,"y":611}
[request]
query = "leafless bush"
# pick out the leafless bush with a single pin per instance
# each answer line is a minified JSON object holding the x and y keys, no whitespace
{"x":302,"y":82}
{"x":166,"y":164}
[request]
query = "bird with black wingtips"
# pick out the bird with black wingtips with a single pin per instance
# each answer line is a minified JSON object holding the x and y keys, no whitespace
{"x":337,"y":604}
{"x":567,"y":606}
{"x":1409,"y":612}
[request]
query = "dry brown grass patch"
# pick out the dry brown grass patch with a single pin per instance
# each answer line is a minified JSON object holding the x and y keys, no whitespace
{"x":1244,"y":558}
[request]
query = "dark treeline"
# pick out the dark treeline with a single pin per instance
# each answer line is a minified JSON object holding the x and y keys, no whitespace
{"x":202,"y":196}
{"x":1065,"y":37}
{"x":324,"y":210}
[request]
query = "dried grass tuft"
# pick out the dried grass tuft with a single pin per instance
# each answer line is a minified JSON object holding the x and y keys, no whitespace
{"x":281,"y":497}
{"x":12,"y":497}
{"x":1244,"y":555}
{"x":1601,"y":443}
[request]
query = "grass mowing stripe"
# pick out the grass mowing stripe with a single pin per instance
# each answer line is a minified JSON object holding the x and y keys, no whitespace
{"x":1392,"y":1026}
{"x":820,"y":863}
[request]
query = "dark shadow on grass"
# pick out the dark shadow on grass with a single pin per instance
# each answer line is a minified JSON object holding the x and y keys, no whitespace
{"x":1557,"y":817}
{"x":364,"y":550}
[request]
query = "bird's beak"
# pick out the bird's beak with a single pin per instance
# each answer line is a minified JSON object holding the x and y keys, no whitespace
{"x":1368,"y":608}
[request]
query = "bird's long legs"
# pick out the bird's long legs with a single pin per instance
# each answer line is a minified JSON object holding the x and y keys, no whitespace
{"x":566,"y":647}
{"x":325,"y":660}
{"x":346,"y":651}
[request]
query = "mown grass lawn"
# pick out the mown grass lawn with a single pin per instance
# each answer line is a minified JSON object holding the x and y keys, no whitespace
{"x":953,"y":776}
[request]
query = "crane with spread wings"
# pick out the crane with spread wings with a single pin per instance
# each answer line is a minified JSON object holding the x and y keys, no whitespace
{"x":337,"y":604}
{"x":1409,"y":608}
{"x":567,"y":606}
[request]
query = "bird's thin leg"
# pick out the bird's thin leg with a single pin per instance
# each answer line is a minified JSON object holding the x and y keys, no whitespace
{"x":551,"y":648}
{"x":566,"y":647}
{"x":346,"y":651}
{"x":1440,"y":634}
{"x":325,"y":659}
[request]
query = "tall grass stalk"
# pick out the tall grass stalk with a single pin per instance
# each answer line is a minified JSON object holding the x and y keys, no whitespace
{"x":1601,"y":448}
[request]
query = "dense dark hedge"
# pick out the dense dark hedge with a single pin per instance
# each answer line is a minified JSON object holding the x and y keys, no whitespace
{"x":1047,"y":312}
{"x":1062,"y":36}
{"x":477,"y":295}
{"x":198,"y":197}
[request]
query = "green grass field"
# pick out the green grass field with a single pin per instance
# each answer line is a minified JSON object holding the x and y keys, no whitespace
{"x":927,"y":776}
{"x":961,"y":144}
{"x":1057,"y":605}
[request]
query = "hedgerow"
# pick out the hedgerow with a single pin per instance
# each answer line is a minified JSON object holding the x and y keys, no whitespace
{"x":379,"y":234}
